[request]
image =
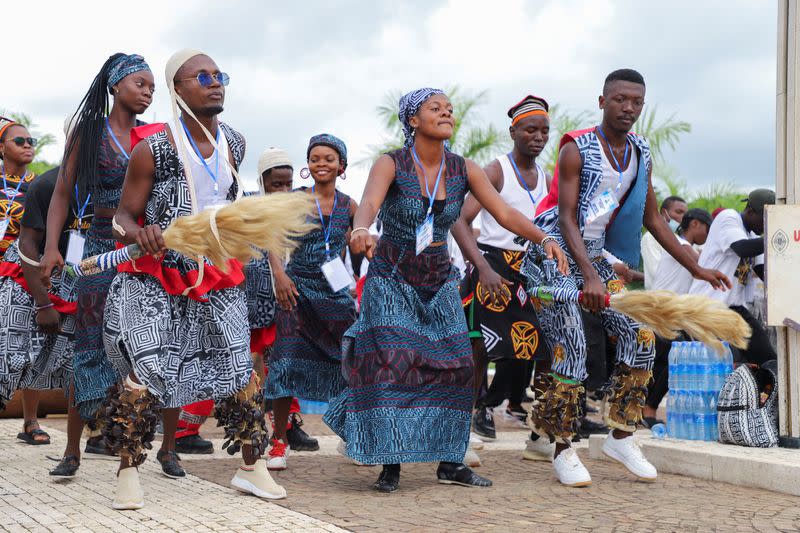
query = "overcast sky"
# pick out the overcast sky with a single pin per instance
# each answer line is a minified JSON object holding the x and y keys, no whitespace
{"x":301,"y":68}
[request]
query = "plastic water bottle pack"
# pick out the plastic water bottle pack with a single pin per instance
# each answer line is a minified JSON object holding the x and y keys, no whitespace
{"x":696,"y":375}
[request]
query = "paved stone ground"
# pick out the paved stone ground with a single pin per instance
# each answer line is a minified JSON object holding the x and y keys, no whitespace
{"x":327,"y":487}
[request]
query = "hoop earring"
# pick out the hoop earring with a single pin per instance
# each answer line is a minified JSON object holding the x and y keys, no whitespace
{"x":305,"y":173}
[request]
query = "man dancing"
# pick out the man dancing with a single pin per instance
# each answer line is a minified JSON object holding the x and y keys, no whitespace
{"x":601,"y":195}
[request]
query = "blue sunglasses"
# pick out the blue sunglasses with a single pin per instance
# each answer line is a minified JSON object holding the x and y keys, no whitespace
{"x":206,"y":80}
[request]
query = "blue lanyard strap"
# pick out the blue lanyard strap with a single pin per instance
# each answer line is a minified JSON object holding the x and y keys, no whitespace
{"x":114,"y":138}
{"x":620,"y":168}
{"x":202,"y":159}
{"x":16,"y":191}
{"x":519,"y":177}
{"x":326,"y":232}
{"x":432,"y":196}
{"x":82,"y":209}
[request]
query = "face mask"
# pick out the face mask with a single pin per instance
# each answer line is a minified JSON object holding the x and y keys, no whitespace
{"x":673,"y":225}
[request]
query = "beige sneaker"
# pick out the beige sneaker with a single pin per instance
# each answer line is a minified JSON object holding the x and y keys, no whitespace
{"x":129,"y":495}
{"x":257,"y":481}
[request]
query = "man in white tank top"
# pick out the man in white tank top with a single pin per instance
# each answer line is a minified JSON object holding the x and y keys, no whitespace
{"x":501,"y":317}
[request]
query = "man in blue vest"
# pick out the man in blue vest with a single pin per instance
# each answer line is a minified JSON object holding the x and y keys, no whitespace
{"x":601,"y":196}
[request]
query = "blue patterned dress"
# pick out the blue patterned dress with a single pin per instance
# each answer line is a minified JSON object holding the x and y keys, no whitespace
{"x":408,"y":360}
{"x":306,"y":359}
{"x":93,"y":372}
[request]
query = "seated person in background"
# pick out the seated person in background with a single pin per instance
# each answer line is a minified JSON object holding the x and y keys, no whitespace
{"x":735,"y":248}
{"x":672,"y":211}
{"x":671,"y":276}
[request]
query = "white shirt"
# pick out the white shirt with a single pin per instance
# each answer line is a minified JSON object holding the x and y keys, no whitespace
{"x":610,"y":181}
{"x":717,"y":254}
{"x":652,"y":252}
{"x":203,"y":182}
{"x":671,"y":275}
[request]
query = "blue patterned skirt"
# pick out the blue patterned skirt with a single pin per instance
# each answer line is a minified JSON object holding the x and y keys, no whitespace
{"x":93,"y":372}
{"x":408,"y":363}
{"x":305,"y":361}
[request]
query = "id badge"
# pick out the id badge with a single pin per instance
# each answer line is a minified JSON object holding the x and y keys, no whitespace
{"x":3,"y":227}
{"x":425,"y":234}
{"x":337,"y":275}
{"x":601,"y":205}
{"x":75,"y":245}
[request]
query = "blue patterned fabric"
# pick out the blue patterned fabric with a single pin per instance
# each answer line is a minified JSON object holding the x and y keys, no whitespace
{"x":623,"y":235}
{"x":408,"y":359}
{"x":331,"y":141}
{"x":261,"y":304}
{"x":111,"y":168}
{"x":125,"y":66}
{"x":93,"y":372}
{"x":409,"y":105}
{"x":305,"y":361}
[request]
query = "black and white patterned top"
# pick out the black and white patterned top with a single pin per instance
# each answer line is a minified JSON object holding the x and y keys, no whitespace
{"x":170,"y":197}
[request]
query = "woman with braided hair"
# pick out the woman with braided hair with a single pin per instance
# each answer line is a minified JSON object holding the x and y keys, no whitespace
{"x":407,"y":360}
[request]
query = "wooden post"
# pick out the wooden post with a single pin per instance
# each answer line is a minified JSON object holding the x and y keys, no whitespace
{"x":787,"y":187}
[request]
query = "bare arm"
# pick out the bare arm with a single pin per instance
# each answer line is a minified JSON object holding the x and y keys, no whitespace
{"x":29,"y":240}
{"x":381,"y":177}
{"x":136,"y":190}
{"x":666,"y":238}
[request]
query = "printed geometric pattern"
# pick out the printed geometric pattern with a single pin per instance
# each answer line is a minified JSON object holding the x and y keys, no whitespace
{"x":306,"y":359}
{"x":742,"y":420}
{"x":30,"y":359}
{"x":562,"y":325}
{"x":261,"y":304}
{"x":408,"y":359}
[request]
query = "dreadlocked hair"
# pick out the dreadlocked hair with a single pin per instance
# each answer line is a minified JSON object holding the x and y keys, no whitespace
{"x":87,"y":123}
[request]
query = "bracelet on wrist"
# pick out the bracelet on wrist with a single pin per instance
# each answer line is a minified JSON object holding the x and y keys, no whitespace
{"x":356,"y":230}
{"x":45,"y":306}
{"x":547,"y":239}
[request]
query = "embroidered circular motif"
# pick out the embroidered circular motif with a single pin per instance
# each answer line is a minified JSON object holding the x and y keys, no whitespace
{"x":499,"y":305}
{"x":525,"y":339}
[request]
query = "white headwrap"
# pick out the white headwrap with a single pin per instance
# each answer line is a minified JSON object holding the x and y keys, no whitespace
{"x":175,"y":62}
{"x":173,"y":65}
{"x":271,"y":158}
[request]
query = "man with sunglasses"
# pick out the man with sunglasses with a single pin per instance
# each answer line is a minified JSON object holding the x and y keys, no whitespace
{"x":16,"y":153}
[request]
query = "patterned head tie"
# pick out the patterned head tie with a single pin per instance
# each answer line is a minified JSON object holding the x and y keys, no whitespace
{"x":409,"y":105}
{"x":331,"y":141}
{"x":124,"y":66}
{"x":528,"y":106}
{"x":5,"y":123}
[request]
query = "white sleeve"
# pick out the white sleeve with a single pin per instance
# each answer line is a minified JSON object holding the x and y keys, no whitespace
{"x":731,"y":228}
{"x":611,"y":258}
{"x":651,"y":256}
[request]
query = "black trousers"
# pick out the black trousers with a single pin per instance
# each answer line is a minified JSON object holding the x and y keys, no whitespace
{"x":759,"y":350}
{"x":660,"y":384}
{"x":511,"y":377}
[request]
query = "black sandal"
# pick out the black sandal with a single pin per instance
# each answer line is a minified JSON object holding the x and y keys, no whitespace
{"x":389,"y":479}
{"x":169,"y":464}
{"x":67,"y":468}
{"x":29,"y":436}
{"x":460,"y":474}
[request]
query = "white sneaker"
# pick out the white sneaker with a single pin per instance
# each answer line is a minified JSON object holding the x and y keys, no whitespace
{"x":341,"y":448}
{"x":539,"y":450}
{"x":129,"y":495}
{"x":628,"y":452}
{"x":570,"y":469}
{"x":276,"y":457}
{"x":471,"y":459}
{"x":258,"y":482}
{"x":475,"y":442}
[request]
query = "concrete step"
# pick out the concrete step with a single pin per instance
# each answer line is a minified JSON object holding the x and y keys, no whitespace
{"x":776,"y":469}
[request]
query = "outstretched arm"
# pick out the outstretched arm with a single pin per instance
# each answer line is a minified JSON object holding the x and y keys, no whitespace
{"x":381,"y":176}
{"x":508,"y":217}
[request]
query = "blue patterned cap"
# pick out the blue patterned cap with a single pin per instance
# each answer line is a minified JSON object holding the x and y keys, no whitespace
{"x":124,"y":66}
{"x":331,"y":141}
{"x":409,"y":105}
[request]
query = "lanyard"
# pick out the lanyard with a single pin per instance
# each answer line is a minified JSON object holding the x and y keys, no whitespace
{"x":82,"y":209}
{"x":624,"y":157}
{"x":326,"y":232}
{"x":114,"y":138}
{"x":425,"y":176}
{"x":11,"y":197}
{"x":519,"y":177}
{"x":202,"y":159}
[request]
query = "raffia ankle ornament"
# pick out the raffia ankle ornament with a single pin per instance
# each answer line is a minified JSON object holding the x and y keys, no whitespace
{"x":130,"y":415}
{"x":555,"y":413}
{"x":626,"y":397}
{"x":243,"y":418}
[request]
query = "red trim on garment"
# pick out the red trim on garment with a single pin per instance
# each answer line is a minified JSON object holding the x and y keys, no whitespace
{"x":14,"y":271}
{"x":262,"y":338}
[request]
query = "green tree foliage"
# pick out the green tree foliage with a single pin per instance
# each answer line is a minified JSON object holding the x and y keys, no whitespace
{"x":471,"y":138}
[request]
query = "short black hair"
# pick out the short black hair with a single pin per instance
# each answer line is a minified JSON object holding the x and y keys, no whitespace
{"x":268,"y":172}
{"x":695,"y":214}
{"x":669,"y":200}
{"x":623,"y":74}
